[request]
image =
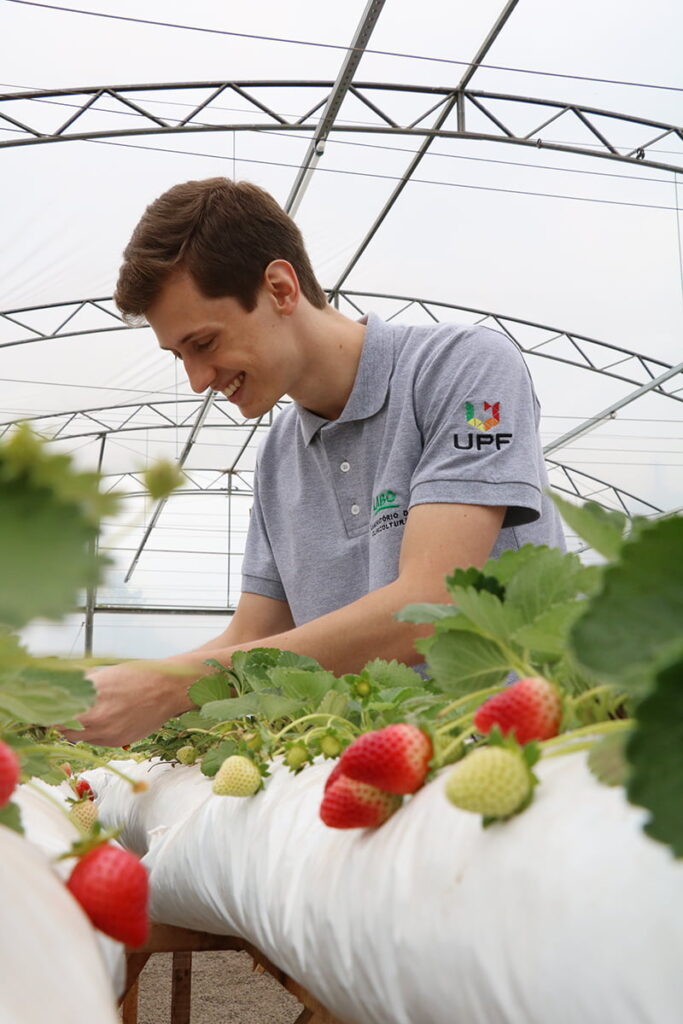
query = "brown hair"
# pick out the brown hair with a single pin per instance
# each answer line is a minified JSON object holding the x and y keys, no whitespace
{"x":224,"y":233}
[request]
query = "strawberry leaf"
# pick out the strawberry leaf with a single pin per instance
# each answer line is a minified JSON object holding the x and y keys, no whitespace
{"x":392,"y":674}
{"x":424,"y":612}
{"x":10,"y":817}
{"x":607,"y":759}
{"x":213,"y":759}
{"x":210,"y":688}
{"x":301,"y":684}
{"x":230,"y":709}
{"x":639,"y":608}
{"x":655,"y":753}
{"x":476,"y":580}
{"x":602,"y":528}
{"x":464,"y":662}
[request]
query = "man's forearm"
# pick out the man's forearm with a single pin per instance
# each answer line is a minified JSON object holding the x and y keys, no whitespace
{"x":342,"y":641}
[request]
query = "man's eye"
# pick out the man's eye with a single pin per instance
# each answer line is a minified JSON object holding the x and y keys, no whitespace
{"x":202,"y":345}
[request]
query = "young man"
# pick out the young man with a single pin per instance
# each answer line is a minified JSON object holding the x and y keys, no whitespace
{"x":407,"y":451}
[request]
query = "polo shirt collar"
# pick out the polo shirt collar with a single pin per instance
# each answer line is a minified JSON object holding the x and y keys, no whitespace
{"x":370,"y":386}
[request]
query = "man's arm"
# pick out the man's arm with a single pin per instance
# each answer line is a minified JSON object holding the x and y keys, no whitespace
{"x":437,"y":539}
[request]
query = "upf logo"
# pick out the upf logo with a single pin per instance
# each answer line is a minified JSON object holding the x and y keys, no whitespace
{"x":482,"y":423}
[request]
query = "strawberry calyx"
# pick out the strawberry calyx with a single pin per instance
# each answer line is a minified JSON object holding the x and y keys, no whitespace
{"x":97,"y":837}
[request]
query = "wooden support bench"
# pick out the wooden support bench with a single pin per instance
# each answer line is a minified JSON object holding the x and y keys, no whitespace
{"x":182,"y":943}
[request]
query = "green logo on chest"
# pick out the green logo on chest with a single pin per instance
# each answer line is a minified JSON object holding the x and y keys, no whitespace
{"x":384,"y":500}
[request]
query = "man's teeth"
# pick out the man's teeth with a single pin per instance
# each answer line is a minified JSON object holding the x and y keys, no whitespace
{"x":232,"y":388}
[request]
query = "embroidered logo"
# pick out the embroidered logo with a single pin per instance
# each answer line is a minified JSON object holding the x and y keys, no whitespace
{"x":476,"y":442}
{"x":481,"y":423}
{"x":383,"y":501}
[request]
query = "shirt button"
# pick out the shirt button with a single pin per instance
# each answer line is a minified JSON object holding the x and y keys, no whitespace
{"x":345,"y":467}
{"x":355,"y":510}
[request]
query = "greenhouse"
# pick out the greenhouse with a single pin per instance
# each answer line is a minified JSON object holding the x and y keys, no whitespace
{"x":461,"y":804}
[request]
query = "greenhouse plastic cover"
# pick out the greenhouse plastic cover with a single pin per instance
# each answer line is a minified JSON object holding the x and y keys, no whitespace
{"x":565,"y":913}
{"x":55,"y":966}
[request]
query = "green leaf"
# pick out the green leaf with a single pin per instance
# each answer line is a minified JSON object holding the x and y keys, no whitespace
{"x":10,"y":817}
{"x":209,"y":688}
{"x":274,"y":707}
{"x":549,"y":631}
{"x":302,"y":684}
{"x":230,"y":709}
{"x":424,"y":612}
{"x":634,"y":623}
{"x":487,"y":612}
{"x":475,"y":579}
{"x":655,"y":754}
{"x":334,"y":703}
{"x":546,"y":577}
{"x":507,"y":564}
{"x":601,"y":528}
{"x":45,"y":697}
{"x":462,"y":663}
{"x":607,"y":759}
{"x":392,"y":674}
{"x":214,"y":758}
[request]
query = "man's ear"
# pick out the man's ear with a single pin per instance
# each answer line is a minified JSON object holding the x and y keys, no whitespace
{"x":282,"y":283}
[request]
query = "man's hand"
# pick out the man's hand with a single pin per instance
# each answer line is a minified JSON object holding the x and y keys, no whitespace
{"x":133,"y":700}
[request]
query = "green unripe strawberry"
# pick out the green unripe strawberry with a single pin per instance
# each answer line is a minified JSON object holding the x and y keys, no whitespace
{"x":83,"y":814}
{"x":491,"y":781}
{"x":330,"y":745}
{"x":237,"y":776}
{"x":297,"y":755}
{"x":187,"y":754}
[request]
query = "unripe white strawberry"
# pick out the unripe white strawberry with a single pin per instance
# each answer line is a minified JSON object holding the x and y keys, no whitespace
{"x":237,"y":776}
{"x":83,"y":814}
{"x":491,"y":781}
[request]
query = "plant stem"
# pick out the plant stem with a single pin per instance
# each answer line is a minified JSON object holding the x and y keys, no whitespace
{"x":479,"y":695}
{"x":600,"y":729}
{"x":317,"y":714}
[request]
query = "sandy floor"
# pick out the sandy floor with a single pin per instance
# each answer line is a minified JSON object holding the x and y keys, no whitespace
{"x":225,"y":990}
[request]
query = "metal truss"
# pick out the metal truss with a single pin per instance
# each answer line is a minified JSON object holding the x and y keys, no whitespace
{"x":167,"y":414}
{"x":93,"y":316}
{"x":471,"y":114}
{"x":591,"y":488}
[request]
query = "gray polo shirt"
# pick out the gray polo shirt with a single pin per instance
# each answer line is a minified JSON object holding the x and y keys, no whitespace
{"x":445,"y":413}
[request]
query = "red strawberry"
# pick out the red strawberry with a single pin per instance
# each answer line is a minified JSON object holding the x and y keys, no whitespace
{"x":351,"y":804}
{"x":83,"y":788}
{"x":9,"y":772}
{"x":333,"y":776}
{"x":395,"y":758}
{"x":112,"y":887}
{"x":531,"y":709}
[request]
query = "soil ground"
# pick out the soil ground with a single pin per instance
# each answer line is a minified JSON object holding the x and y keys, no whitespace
{"x":225,"y":990}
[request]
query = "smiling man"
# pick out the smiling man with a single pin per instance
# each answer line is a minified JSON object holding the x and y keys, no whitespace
{"x":407,"y":451}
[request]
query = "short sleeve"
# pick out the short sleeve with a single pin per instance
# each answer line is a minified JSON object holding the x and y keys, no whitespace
{"x":259,"y":571}
{"x":478,"y":414}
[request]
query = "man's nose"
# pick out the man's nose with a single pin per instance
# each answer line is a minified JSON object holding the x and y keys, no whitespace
{"x":200,"y":377}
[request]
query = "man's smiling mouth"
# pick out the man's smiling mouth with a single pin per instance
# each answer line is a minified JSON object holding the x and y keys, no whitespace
{"x":234,"y":385}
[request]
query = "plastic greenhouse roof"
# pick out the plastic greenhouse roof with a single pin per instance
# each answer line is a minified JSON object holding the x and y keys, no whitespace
{"x":540,"y":212}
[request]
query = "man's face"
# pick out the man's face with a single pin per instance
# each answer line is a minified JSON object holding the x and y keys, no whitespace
{"x":242,"y":355}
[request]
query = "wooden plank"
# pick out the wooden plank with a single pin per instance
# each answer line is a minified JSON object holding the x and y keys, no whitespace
{"x":181,"y":988}
{"x":166,"y":938}
{"x":129,"y":1005}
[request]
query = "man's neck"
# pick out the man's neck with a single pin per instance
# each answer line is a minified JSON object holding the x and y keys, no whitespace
{"x":333,"y":345}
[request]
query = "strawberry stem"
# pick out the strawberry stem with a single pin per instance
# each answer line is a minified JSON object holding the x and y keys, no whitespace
{"x":565,"y":738}
{"x":478,"y":696}
{"x":319,"y":714}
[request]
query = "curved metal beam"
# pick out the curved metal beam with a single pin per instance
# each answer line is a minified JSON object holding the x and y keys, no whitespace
{"x":532,"y":338}
{"x":490,"y":108}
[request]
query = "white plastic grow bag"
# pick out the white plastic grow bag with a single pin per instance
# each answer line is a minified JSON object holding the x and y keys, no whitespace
{"x":52,"y":967}
{"x":566,"y":914}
